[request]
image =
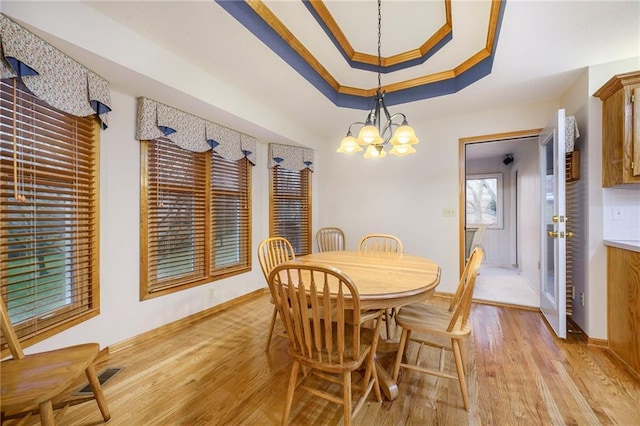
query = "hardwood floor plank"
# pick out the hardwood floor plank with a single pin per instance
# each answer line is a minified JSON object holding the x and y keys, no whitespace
{"x":214,"y":371}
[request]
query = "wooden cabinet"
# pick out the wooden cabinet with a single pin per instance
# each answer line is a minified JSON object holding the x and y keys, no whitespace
{"x":623,"y":305}
{"x":620,"y":129}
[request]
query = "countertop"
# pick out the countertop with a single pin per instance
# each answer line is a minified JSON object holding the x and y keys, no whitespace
{"x":633,"y":245}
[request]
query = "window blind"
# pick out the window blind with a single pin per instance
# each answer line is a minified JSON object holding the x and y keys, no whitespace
{"x":175,"y":216}
{"x":195,"y":216}
{"x":49,"y":228}
{"x":291,"y":207}
{"x":231,"y":214}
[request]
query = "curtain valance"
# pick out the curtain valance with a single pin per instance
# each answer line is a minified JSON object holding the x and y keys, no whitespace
{"x":290,"y":157}
{"x":51,"y":75}
{"x":156,"y":120}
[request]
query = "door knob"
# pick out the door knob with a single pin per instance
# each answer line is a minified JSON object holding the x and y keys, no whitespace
{"x":569,"y":234}
{"x":553,"y":234}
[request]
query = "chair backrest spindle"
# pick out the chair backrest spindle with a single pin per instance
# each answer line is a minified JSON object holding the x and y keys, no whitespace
{"x":330,"y":239}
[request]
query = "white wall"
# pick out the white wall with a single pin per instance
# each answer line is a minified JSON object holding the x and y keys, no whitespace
{"x":496,"y":240}
{"x":123,"y":315}
{"x":527,"y":165}
{"x":405,"y":196}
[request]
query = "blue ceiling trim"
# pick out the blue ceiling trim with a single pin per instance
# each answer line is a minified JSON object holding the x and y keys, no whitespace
{"x":254,"y":23}
{"x":374,"y":67}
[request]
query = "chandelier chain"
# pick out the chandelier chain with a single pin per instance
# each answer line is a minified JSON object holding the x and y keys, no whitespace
{"x":373,"y":134}
{"x":379,"y":43}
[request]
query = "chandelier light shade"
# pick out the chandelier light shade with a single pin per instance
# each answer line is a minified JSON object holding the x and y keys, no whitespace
{"x":349,"y":145}
{"x":373,"y":134}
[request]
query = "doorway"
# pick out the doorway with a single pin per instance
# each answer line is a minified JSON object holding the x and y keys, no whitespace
{"x":499,"y":199}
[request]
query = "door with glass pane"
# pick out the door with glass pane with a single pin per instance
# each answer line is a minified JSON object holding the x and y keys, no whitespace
{"x":554,"y":220}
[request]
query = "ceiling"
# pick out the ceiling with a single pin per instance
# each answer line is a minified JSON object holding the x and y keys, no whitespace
{"x":539,"y":49}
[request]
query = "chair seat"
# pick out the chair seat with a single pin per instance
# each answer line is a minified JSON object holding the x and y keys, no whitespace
{"x":36,"y":378}
{"x":423,"y":318}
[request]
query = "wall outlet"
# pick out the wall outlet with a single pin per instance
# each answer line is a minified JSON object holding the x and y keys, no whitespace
{"x":618,"y":213}
{"x":212,"y":294}
{"x":582,"y":298}
{"x":449,"y":212}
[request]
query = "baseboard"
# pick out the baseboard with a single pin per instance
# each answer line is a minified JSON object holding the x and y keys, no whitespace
{"x":185,"y":322}
{"x":573,"y":327}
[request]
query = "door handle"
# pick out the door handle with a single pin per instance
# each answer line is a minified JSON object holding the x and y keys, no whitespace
{"x":569,"y":234}
{"x":553,"y":234}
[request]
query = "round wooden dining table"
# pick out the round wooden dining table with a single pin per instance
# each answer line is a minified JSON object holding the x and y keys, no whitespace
{"x":384,"y":281}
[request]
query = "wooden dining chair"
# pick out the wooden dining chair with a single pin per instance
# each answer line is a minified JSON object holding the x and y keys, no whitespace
{"x":40,"y":382}
{"x":451,"y":323}
{"x":320,"y":307}
{"x":330,"y":239}
{"x":271,"y":253}
{"x":382,"y":243}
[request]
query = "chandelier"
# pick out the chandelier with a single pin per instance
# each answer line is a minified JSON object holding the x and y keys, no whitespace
{"x":373,"y":134}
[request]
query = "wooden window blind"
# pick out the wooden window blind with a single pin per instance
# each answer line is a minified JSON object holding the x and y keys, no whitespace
{"x":291,"y":207}
{"x":231,"y":215}
{"x":48,"y":215}
{"x":195,"y":218}
{"x":175,"y":216}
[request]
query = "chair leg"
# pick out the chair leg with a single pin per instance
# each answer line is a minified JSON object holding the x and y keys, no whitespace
{"x":97,"y":392}
{"x":46,"y":414}
{"x":271,"y":327}
{"x":401,"y":349}
{"x":346,"y":396}
{"x":464,"y":351}
{"x":292,"y":386}
{"x":376,"y":386}
{"x":455,"y":345}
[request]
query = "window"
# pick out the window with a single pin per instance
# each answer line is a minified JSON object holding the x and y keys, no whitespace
{"x":291,"y":207}
{"x":195,"y":212}
{"x":231,"y":219}
{"x":48,"y":214}
{"x":484,"y":200}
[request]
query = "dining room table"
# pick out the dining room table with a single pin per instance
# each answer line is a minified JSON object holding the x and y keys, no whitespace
{"x":384,"y":281}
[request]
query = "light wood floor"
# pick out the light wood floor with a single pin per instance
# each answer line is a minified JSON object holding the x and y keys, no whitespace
{"x":215,"y":372}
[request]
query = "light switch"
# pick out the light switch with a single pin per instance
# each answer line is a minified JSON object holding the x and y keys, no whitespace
{"x":448,"y":212}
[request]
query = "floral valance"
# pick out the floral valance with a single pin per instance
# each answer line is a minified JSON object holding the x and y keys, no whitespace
{"x":290,"y":157}
{"x":156,"y":120}
{"x":51,"y":75}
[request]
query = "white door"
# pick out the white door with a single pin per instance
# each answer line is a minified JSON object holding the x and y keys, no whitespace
{"x":554,"y":221}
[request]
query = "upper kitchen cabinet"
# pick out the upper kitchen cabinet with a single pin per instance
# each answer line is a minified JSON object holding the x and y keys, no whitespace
{"x":620,"y":129}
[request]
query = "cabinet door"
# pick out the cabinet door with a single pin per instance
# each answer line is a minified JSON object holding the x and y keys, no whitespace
{"x":623,"y":305}
{"x":635,"y":124}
